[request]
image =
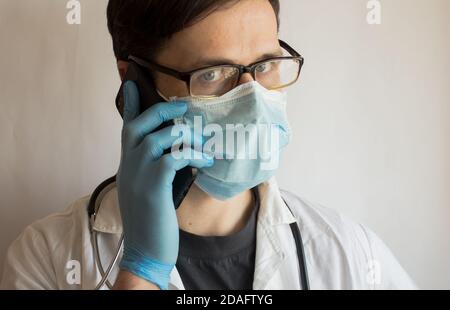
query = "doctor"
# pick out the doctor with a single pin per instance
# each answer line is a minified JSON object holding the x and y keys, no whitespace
{"x":232,"y":230}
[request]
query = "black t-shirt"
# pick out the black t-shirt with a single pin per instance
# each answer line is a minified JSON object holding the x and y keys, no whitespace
{"x":222,"y":263}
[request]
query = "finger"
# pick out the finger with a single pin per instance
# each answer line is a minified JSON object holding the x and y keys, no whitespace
{"x":151,"y":119}
{"x":160,"y":113}
{"x":189,"y":136}
{"x":173,"y":137}
{"x":170,"y":164}
{"x":131,"y":101}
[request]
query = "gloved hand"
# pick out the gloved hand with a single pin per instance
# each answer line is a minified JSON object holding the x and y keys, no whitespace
{"x":144,"y":183}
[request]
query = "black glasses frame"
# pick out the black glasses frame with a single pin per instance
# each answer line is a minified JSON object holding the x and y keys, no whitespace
{"x":186,"y":76}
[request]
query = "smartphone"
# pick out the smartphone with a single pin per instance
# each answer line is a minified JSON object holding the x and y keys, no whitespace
{"x":148,"y":97}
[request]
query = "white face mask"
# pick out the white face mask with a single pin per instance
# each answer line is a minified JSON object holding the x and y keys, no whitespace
{"x":245,"y":130}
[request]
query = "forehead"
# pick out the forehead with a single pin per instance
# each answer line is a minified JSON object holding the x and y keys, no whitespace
{"x":242,"y":33}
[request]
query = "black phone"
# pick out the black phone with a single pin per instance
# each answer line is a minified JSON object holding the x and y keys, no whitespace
{"x":148,"y":97}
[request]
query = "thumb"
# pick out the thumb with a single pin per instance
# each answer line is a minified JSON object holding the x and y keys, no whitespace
{"x":131,"y":101}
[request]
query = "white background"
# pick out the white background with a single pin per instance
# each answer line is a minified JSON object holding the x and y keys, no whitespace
{"x":371,"y":117}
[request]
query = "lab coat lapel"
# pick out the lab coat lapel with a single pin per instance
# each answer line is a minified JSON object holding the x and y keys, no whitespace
{"x":175,"y":282}
{"x":268,"y":256}
{"x":276,"y":265}
{"x":273,"y":268}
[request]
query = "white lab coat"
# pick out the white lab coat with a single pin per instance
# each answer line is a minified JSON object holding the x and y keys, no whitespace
{"x":340,"y":254}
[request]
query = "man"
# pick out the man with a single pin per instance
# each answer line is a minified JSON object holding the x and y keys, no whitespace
{"x":221,"y":60}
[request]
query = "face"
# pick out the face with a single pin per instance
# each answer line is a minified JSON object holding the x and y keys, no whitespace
{"x":243,"y":33}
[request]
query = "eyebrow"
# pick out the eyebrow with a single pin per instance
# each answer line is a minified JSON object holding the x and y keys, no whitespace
{"x":205,"y":62}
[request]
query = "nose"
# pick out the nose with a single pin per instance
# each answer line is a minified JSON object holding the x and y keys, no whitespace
{"x":245,"y":78}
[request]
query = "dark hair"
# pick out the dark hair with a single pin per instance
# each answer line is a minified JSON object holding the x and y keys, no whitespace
{"x":140,"y":27}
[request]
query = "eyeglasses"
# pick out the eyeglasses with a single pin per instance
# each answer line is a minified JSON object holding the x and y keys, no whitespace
{"x":273,"y":73}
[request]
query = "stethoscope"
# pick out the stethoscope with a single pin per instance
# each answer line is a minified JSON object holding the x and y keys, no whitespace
{"x":94,"y":206}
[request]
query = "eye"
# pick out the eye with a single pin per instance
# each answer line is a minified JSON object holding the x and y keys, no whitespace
{"x":264,"y":67}
{"x":211,"y":75}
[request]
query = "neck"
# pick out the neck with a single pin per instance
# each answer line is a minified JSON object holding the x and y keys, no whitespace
{"x":204,"y":215}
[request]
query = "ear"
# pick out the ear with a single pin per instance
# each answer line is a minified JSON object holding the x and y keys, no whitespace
{"x":122,"y":67}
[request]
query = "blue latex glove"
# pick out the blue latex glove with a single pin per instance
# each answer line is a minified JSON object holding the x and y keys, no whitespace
{"x":144,"y":183}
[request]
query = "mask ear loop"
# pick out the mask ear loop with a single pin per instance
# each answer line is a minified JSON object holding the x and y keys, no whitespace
{"x":162,"y":96}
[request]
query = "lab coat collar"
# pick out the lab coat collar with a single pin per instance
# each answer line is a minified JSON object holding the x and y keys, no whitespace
{"x":274,"y":269}
{"x":108,"y":214}
{"x":273,"y":210}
